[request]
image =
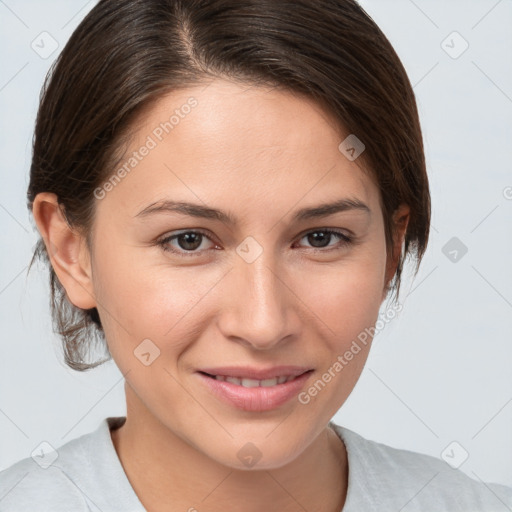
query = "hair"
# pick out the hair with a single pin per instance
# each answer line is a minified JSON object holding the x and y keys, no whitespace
{"x":127,"y":54}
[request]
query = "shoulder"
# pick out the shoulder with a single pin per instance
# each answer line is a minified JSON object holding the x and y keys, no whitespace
{"x":83,"y":474}
{"x":380,"y":474}
{"x":28,"y":484}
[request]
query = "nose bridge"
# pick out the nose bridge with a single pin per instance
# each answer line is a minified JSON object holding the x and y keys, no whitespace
{"x":258,"y":309}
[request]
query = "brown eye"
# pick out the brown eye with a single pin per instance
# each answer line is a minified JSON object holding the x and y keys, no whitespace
{"x":321,"y":238}
{"x":185,"y":243}
{"x":189,"y":241}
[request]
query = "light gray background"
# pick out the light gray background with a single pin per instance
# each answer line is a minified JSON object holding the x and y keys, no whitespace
{"x":438,"y":373}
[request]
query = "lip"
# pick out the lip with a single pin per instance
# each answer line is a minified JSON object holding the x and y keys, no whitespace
{"x":256,"y":373}
{"x":257,"y":399}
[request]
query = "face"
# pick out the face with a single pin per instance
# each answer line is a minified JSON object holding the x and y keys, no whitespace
{"x":269,"y":281}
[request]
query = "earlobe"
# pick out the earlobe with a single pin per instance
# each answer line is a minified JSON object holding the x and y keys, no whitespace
{"x":66,"y":249}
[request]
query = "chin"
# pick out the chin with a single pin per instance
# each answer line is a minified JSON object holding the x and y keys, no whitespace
{"x":260,"y":453}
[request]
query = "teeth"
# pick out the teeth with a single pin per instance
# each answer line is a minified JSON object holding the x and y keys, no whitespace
{"x":250,"y":383}
{"x":253,"y":383}
{"x":268,"y":382}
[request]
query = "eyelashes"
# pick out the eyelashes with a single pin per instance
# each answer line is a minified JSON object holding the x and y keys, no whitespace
{"x":198,"y":236}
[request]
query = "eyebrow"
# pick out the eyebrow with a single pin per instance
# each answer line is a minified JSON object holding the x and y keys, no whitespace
{"x":205,"y":212}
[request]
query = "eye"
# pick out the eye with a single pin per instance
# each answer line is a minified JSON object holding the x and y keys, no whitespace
{"x":320,"y":239}
{"x":188,"y":243}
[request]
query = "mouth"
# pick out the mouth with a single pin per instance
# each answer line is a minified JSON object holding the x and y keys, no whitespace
{"x":247,"y":382}
{"x":252,"y":394}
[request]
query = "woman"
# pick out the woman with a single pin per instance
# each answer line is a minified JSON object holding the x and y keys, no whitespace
{"x":226,"y":193}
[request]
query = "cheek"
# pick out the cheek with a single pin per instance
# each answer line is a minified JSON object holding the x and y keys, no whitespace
{"x":139,"y":301}
{"x":346,"y":297}
{"x":347,"y":301}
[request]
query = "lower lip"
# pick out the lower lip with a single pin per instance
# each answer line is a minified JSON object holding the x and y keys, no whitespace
{"x":259,"y":398}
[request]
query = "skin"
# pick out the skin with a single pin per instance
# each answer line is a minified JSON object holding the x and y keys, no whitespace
{"x":262,"y":154}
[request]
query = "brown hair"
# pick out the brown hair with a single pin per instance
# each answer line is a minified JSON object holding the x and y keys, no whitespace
{"x":126,"y":54}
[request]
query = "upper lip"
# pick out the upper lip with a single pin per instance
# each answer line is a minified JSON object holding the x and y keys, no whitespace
{"x":250,"y":372}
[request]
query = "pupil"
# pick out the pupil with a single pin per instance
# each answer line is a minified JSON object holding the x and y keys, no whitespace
{"x":324,"y":237}
{"x":189,"y":242}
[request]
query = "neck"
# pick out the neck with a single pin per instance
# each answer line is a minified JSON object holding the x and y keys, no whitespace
{"x":163,"y":469}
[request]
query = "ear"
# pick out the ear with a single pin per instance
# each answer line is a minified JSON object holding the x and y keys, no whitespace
{"x":66,"y":249}
{"x":400,"y":223}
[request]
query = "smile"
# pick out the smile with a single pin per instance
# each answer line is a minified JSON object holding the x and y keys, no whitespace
{"x":255,"y":395}
{"x":253,"y":383}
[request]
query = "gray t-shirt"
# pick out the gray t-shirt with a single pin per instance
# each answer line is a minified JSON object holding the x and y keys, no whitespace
{"x":87,"y":476}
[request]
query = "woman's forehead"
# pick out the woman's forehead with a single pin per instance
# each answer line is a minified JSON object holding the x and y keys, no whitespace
{"x":226,"y":111}
{"x":233,"y":138}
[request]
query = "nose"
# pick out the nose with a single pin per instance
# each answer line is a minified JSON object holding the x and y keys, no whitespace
{"x":259,"y":308}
